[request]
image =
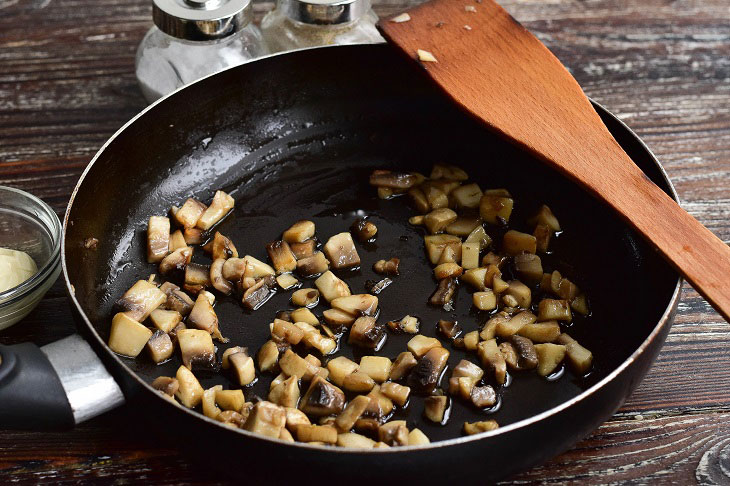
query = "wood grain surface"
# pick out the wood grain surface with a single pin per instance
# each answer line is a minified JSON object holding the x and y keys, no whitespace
{"x":663,"y":66}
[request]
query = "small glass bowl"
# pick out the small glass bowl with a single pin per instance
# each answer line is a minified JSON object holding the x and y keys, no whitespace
{"x":30,"y":225}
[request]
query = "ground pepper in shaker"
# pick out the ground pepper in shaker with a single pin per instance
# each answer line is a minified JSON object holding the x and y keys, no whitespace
{"x":192,"y":39}
{"x":294,"y":24}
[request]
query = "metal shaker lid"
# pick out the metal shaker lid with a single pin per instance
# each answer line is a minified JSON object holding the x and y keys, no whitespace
{"x":325,"y":12}
{"x":201,"y":20}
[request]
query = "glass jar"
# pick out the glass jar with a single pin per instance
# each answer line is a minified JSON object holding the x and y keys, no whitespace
{"x":295,"y":24}
{"x":192,"y":39}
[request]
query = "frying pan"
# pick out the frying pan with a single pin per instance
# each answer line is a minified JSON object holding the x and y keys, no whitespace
{"x":294,"y":136}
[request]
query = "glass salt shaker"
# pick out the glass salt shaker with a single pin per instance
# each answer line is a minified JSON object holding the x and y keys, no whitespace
{"x":294,"y":24}
{"x":192,"y":39}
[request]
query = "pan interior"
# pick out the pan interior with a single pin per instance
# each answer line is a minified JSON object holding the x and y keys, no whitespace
{"x":296,"y":138}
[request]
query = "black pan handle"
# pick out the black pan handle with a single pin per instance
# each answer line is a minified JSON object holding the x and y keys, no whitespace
{"x":54,"y":387}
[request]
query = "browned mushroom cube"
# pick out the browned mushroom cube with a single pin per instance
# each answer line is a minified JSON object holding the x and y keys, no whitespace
{"x":303,"y":249}
{"x":312,"y":265}
{"x":322,"y":398}
{"x":268,"y":356}
{"x":267,"y":419}
{"x":128,"y":337}
{"x":339,"y":368}
{"x":367,"y":333}
{"x":403,"y":365}
{"x":394,"y":433}
{"x":358,"y":382}
{"x":554,"y":310}
{"x":398,"y":393}
{"x":492,"y":359}
{"x":160,"y":347}
{"x":197,"y":348}
{"x":220,"y":206}
{"x":189,"y":392}
{"x":286,"y":393}
{"x":436,"y":407}
{"x":426,"y":375}
{"x":545,"y":216}
{"x":341,"y":252}
{"x":140,"y":300}
{"x":444,"y":293}
{"x":243,"y":368}
{"x":281,"y":256}
{"x":357,"y":305}
{"x":354,"y":410}
{"x":299,"y":232}
{"x":166,"y":385}
{"x":187,"y":216}
{"x":204,"y":317}
{"x":337,"y":318}
{"x":259,"y":293}
{"x":449,"y":329}
{"x":317,"y":433}
{"x":158,"y":238}
{"x":495,"y":207}
{"x":471,"y":428}
{"x":364,"y":230}
{"x":305,"y":297}
{"x":331,"y":287}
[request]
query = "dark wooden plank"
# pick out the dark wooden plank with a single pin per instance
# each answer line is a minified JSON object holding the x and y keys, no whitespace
{"x":67,"y":83}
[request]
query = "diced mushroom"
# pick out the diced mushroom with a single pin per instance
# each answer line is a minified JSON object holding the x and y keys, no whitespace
{"x":489,"y":331}
{"x":368,"y":425}
{"x":437,"y":220}
{"x":341,"y":252}
{"x":232,"y":419}
{"x":419,"y":201}
{"x":204,"y":317}
{"x":257,"y":295}
{"x":225,"y":364}
{"x":165,"y":320}
{"x":436,"y":408}
{"x":305,"y":297}
{"x":483,"y":396}
{"x":542,"y":235}
{"x":471,"y":428}
{"x":210,"y":409}
{"x":476,"y":278}
{"x":160,"y":347}
{"x":435,"y":197}
{"x":220,"y":206}
{"x":480,"y":237}
{"x":447,"y":270}
{"x":354,"y":410}
{"x":173,"y":334}
{"x":529,"y":267}
{"x":304,"y":315}
{"x":312,"y":265}
{"x":492,"y":359}
{"x":243,"y":368}
{"x":197,"y":276}
{"x":549,"y":356}
{"x":493,"y":272}
{"x":177,"y":241}
{"x":187,"y":216}
{"x":387,"y":267}
{"x":470,"y":255}
{"x":295,"y":417}
{"x":506,"y":328}
{"x":541,"y":332}
{"x":314,"y":339}
{"x":255,"y":268}
{"x":303,"y":249}
{"x":140,"y":300}
{"x":545,"y":216}
{"x":234,"y":269}
{"x":189,"y":392}
{"x":408,"y":324}
{"x":196,"y":347}
{"x":267,"y":419}
{"x":287,"y":281}
{"x":281,"y":256}
{"x":515,"y":242}
{"x":299,"y":232}
{"x":468,"y":369}
{"x":286,"y":393}
{"x":520,"y":292}
{"x":286,"y":331}
{"x":467,"y":196}
{"x":471,"y":340}
{"x":554,"y":310}
{"x":322,"y":398}
{"x":364,"y":230}
{"x":354,"y":441}
{"x":357,"y":305}
{"x":398,"y":393}
{"x":294,"y":365}
{"x":392,"y":180}
{"x":464,"y":224}
{"x":416,"y":437}
{"x":216,"y":277}
{"x":158,"y":238}
{"x":485,"y":300}
{"x":166,"y":385}
{"x":375,"y":288}
{"x":436,"y":244}
{"x":376,"y":367}
{"x":367,"y":333}
{"x":193,"y":236}
{"x":128,"y":337}
{"x":580,"y":305}
{"x":403,"y":365}
{"x":268,"y":356}
{"x":444,"y":292}
{"x":579,"y":358}
{"x":331,"y":287}
{"x":419,"y":345}
{"x":449,"y":329}
{"x":358,"y":382}
{"x":394,"y":433}
{"x":380,"y":406}
{"x":495,"y":207}
{"x":230,"y":400}
{"x":180,"y":302}
{"x":339,"y":368}
{"x":426,"y":375}
{"x":527,"y":357}
{"x":337,"y":318}
{"x":567,"y":290}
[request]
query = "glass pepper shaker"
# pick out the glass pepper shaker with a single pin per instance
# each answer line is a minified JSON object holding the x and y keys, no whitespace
{"x":294,"y":24}
{"x":192,"y":39}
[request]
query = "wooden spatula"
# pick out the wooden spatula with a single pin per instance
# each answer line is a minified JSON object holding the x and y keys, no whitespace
{"x":499,"y":72}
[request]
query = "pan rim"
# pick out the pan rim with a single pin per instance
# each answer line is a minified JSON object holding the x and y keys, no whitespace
{"x":663,"y":321}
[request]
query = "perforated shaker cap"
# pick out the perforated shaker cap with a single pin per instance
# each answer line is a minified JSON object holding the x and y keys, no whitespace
{"x":325,"y":12}
{"x":201,"y":20}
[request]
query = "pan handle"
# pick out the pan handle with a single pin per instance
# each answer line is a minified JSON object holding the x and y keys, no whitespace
{"x":54,"y":387}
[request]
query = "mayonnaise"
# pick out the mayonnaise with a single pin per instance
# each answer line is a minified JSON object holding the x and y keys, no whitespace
{"x":15,"y":268}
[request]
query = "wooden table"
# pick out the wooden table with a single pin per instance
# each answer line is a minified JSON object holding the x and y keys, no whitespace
{"x":663,"y":66}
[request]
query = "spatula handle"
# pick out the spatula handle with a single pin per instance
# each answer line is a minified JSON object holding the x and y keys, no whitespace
{"x":496,"y":70}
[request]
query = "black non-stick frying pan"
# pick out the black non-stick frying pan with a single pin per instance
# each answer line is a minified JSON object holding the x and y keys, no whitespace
{"x":295,"y":136}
